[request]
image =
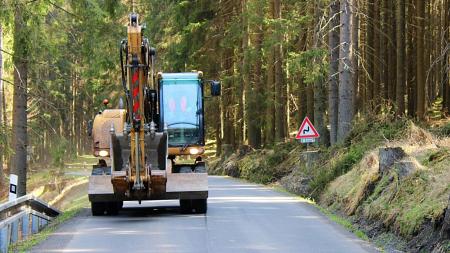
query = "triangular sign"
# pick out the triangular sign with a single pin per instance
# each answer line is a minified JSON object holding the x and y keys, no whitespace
{"x":307,"y":130}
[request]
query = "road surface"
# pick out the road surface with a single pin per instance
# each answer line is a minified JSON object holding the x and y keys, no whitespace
{"x":242,"y":217}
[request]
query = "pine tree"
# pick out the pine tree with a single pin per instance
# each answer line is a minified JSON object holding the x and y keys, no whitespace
{"x":333,"y":85}
{"x":345,"y":75}
{"x":400,"y":31}
{"x":19,"y":126}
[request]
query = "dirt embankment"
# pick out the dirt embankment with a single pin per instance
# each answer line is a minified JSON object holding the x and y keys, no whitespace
{"x":392,"y":180}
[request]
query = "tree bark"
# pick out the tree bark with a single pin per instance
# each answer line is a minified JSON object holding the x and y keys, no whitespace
{"x":2,"y":129}
{"x":384,"y":67}
{"x":20,"y":60}
{"x":280,"y":86}
{"x":255,"y":94}
{"x":355,"y":48}
{"x":446,"y":61}
{"x":345,"y":75}
{"x":269,"y":133}
{"x":333,"y":84}
{"x":400,"y":86}
{"x":420,"y":59}
{"x":392,"y":60}
{"x":369,"y":57}
{"x":227,"y":117}
{"x":320,"y":98}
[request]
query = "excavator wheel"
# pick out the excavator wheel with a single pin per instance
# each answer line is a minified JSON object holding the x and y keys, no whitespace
{"x":98,"y":208}
{"x":200,"y":205}
{"x":185,"y":206}
{"x":188,"y":206}
{"x":112,"y":208}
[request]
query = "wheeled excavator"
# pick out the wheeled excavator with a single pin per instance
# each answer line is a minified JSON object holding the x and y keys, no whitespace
{"x":138,"y":143}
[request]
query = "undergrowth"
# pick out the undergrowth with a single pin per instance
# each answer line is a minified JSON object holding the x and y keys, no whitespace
{"x":339,"y":159}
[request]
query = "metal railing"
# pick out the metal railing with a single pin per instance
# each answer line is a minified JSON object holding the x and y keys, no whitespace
{"x":23,"y":217}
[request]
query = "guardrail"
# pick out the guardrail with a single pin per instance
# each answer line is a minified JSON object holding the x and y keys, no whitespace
{"x":23,"y":217}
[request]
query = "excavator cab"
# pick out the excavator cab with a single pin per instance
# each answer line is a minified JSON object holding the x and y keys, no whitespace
{"x":182,"y":115}
{"x":181,"y":97}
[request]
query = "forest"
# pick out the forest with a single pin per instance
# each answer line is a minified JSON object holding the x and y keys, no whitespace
{"x":337,"y":62}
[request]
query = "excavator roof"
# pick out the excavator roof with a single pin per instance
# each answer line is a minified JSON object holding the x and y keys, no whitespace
{"x":181,"y":76}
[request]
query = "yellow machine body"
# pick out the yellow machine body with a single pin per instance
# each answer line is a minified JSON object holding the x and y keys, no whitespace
{"x":136,"y":162}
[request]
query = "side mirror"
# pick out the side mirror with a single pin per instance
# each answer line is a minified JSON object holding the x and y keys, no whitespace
{"x":215,"y":88}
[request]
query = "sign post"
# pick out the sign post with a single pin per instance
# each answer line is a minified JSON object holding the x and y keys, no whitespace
{"x":307,"y":132}
{"x":13,"y":179}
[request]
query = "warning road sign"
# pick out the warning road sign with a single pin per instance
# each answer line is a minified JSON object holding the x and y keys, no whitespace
{"x":307,"y":130}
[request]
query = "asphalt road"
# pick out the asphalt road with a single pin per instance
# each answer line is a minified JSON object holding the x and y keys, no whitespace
{"x":241,"y":217}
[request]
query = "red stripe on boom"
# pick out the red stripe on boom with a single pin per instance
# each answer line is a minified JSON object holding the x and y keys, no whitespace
{"x":135,"y":91}
{"x":135,"y":107}
{"x":135,"y":76}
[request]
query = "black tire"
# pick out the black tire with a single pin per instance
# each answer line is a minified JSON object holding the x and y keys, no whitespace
{"x":200,"y":205}
{"x":112,"y":208}
{"x":185,"y":206}
{"x":98,"y":208}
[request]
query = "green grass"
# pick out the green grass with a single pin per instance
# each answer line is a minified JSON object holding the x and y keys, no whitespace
{"x":339,"y":159}
{"x":75,"y":208}
{"x":343,"y":222}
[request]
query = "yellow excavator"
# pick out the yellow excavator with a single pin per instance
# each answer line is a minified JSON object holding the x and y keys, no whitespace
{"x":138,"y":143}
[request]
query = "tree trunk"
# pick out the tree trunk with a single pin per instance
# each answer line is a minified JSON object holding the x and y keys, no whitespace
{"x":269,"y":133}
{"x":2,"y":129}
{"x":280,"y":86}
{"x":370,"y":59}
{"x":392,"y":60}
{"x":446,"y":61}
{"x":411,"y":89}
{"x":384,"y":67}
{"x":400,"y":87}
{"x":19,"y":128}
{"x":355,"y":59}
{"x":377,"y":88}
{"x":227,"y":96}
{"x":320,"y":98}
{"x":420,"y":59}
{"x":333,"y":85}
{"x":345,"y":75}
{"x":255,"y":94}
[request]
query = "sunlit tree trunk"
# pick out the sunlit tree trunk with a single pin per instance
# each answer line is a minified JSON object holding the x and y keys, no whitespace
{"x":345,"y":75}
{"x":333,"y":85}
{"x":2,"y":129}
{"x":19,"y":127}
{"x":355,"y":51}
